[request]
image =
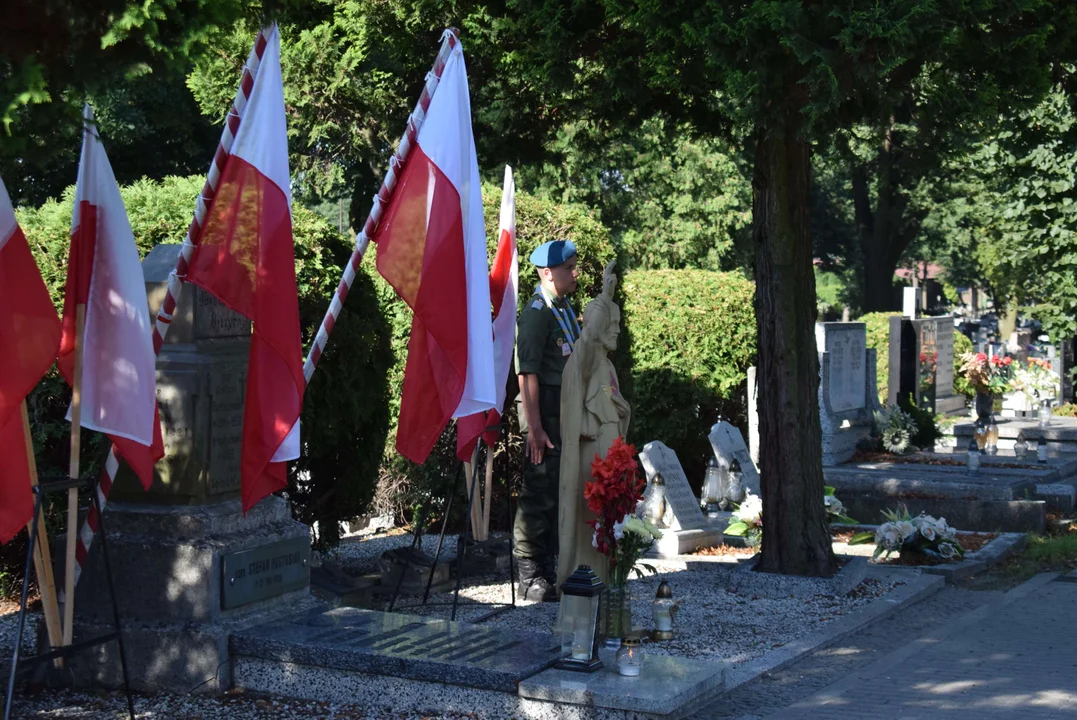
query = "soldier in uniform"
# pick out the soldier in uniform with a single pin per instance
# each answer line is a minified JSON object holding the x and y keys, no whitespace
{"x":547,"y":331}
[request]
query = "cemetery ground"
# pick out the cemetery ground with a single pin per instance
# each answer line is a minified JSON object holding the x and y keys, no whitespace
{"x":931,"y":656}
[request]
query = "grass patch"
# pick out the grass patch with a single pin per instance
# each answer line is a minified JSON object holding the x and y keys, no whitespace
{"x":1043,"y":553}
{"x":1052,"y":549}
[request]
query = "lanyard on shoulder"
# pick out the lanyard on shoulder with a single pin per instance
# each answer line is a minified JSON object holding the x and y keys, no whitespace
{"x":570,"y":326}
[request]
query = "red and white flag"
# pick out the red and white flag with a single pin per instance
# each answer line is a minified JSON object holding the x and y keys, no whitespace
{"x":432,"y":250}
{"x":504,"y":289}
{"x":245,"y":257}
{"x":104,"y":273}
{"x":29,"y":335}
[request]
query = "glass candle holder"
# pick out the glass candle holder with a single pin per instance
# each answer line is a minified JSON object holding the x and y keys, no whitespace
{"x":630,"y":657}
{"x":991,"y":438}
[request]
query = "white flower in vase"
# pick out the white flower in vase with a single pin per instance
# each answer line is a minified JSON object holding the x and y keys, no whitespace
{"x":906,"y":529}
{"x":947,"y":550}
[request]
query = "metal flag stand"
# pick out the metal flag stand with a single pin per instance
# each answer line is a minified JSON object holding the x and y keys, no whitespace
{"x":462,"y":548}
{"x":41,"y":660}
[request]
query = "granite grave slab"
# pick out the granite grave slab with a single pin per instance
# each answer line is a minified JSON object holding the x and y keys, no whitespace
{"x":404,"y":646}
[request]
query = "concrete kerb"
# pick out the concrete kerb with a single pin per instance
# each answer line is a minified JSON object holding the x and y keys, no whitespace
{"x":916,"y":588}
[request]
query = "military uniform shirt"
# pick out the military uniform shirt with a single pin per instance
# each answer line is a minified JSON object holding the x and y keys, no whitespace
{"x":540,"y":342}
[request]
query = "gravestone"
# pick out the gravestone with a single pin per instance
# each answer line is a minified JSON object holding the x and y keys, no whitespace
{"x":922,"y":363}
{"x":728,"y":444}
{"x":686,"y":527}
{"x":189,"y":566}
{"x":848,"y":394}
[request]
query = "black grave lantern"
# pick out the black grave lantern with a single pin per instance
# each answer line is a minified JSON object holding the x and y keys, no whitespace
{"x":580,"y":595}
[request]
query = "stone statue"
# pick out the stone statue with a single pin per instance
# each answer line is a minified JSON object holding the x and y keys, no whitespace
{"x":593,"y":415}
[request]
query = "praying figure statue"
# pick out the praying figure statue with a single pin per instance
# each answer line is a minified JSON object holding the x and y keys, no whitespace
{"x":593,"y":415}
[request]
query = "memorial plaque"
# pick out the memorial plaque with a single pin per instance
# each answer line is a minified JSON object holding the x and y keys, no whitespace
{"x":728,"y":443}
{"x":214,"y":319}
{"x":177,"y":396}
{"x":264,"y":572}
{"x":845,"y":345}
{"x":944,"y":347}
{"x":227,"y":389}
{"x":681,"y":502}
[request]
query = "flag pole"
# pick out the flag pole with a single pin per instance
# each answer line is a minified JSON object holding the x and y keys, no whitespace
{"x":472,"y":481}
{"x":488,"y":495}
{"x":46,"y":582}
{"x":449,"y":40}
{"x":73,"y":473}
{"x":178,"y":276}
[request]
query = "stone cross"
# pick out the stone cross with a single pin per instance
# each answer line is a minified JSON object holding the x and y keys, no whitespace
{"x":681,"y":503}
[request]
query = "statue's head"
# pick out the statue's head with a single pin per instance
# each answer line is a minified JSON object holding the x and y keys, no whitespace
{"x":602,"y":320}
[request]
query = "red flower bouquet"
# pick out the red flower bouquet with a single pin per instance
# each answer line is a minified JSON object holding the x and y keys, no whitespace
{"x":613,"y":494}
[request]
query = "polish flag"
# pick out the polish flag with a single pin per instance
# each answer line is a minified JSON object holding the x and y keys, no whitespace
{"x":432,"y":250}
{"x":504,"y":287}
{"x":245,"y":257}
{"x":104,"y":273}
{"x":30,"y":335}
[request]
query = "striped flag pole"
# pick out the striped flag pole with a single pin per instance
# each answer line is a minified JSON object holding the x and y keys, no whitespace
{"x":449,"y":39}
{"x":177,"y":277}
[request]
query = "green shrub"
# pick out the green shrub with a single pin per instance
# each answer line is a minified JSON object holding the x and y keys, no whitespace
{"x":344,"y":420}
{"x":691,"y":338}
{"x":405,"y":488}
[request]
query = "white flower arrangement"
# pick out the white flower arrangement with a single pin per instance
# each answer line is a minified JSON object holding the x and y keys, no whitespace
{"x":835,"y":510}
{"x":923,"y":533}
{"x":747,"y":520}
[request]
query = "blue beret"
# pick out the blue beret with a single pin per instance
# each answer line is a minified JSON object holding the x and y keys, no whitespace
{"x":553,"y":253}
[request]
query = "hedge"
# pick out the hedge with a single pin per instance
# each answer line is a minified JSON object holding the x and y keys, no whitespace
{"x":691,"y":338}
{"x":345,"y":417}
{"x":878,"y":331}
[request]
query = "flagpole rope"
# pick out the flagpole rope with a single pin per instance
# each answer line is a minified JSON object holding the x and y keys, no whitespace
{"x":177,"y":277}
{"x":449,"y":41}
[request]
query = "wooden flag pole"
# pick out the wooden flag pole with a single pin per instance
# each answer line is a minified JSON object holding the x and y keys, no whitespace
{"x":473,"y":492}
{"x":488,"y":495}
{"x":73,"y":472}
{"x":46,"y":582}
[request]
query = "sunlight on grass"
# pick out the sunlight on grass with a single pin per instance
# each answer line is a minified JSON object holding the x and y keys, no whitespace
{"x":1052,"y":548}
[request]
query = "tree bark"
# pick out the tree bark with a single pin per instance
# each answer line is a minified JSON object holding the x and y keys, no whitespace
{"x":795,"y":538}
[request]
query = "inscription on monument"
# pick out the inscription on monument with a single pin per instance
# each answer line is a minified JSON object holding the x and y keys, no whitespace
{"x":682,"y":505}
{"x":845,"y":345}
{"x":944,"y":346}
{"x":227,"y":389}
{"x":214,"y":319}
{"x":264,"y":572}
{"x":177,"y":396}
{"x":728,"y":444}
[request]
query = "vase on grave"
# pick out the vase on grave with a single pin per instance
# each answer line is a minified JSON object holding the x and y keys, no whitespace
{"x":616,"y":614}
{"x":985,"y":405}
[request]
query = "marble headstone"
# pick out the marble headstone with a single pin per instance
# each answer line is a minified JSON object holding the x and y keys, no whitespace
{"x":681,"y":503}
{"x":846,"y":370}
{"x":728,"y":443}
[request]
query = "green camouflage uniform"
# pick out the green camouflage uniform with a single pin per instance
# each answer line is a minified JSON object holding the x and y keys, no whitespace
{"x":539,"y":351}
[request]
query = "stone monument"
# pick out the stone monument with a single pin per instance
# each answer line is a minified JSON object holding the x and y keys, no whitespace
{"x":687,"y":529}
{"x":728,"y":444}
{"x":922,"y":363}
{"x":190,"y":568}
{"x":848,"y":394}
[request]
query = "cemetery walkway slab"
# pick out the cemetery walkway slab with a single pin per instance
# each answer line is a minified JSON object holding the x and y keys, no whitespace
{"x":1013,"y":657}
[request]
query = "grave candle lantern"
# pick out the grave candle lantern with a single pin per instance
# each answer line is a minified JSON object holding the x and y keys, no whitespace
{"x":713,"y":497}
{"x":655,"y":507}
{"x":991,"y":439}
{"x":974,"y":457}
{"x":630,"y":656}
{"x":1041,"y":450}
{"x":662,"y":611}
{"x":580,"y":595}
{"x":1020,"y":448}
{"x":736,"y":482}
{"x":1043,"y":414}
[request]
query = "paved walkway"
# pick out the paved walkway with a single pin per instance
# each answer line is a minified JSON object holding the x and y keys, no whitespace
{"x":1015,"y":656}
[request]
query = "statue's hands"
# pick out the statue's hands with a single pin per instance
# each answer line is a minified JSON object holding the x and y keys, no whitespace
{"x":609,"y":280}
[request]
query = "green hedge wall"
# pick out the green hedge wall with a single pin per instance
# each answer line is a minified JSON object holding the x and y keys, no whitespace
{"x":345,"y":417}
{"x":691,"y":338}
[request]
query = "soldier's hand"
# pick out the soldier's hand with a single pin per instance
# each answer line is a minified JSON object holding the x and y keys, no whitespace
{"x":609,"y":280}
{"x":537,"y":443}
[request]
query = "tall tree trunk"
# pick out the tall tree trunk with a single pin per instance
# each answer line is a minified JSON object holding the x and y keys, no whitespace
{"x":795,"y":540}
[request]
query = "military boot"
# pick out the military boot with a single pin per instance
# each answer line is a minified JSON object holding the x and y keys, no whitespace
{"x":532,"y":585}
